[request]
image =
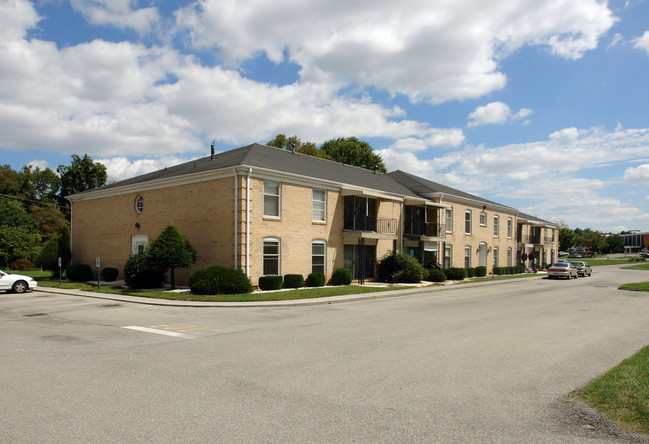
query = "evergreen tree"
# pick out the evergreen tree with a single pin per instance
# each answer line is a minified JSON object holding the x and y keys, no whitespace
{"x":170,"y":250}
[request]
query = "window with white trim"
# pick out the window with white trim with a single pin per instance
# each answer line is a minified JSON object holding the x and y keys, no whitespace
{"x":509,"y":257}
{"x":467,"y":222}
{"x":510,"y":228}
{"x":318,"y":256}
{"x":139,"y":204}
{"x":448,"y":253}
{"x":272,"y":199}
{"x":319,"y":206}
{"x":483,"y":219}
{"x":496,"y":225}
{"x":449,"y":220}
{"x":271,"y":256}
{"x":495,"y":250}
{"x":467,"y":256}
{"x":139,"y":243}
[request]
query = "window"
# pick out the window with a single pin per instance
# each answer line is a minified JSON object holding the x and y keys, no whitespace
{"x":483,"y":219}
{"x":139,"y":204}
{"x":139,"y":243}
{"x":359,"y":213}
{"x":509,"y":257}
{"x":467,"y":222}
{"x":318,"y":256}
{"x":449,"y":220}
{"x":553,"y":235}
{"x":272,"y":199}
{"x":467,"y":256}
{"x":319,"y":205}
{"x":495,"y":256}
{"x":496,"y":225}
{"x":271,"y":256}
{"x":448,"y":253}
{"x":510,"y":227}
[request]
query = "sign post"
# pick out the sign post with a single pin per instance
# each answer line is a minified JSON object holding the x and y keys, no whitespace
{"x":98,"y":273}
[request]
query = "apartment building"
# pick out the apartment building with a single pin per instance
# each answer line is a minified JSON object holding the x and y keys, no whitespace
{"x":269,"y":211}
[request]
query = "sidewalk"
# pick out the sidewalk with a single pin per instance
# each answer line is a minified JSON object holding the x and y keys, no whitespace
{"x":287,"y":303}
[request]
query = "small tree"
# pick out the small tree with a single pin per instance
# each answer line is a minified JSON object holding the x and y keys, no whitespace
{"x":170,"y":250}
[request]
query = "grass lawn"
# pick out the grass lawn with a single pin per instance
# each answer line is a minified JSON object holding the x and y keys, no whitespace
{"x":622,"y":394}
{"x":596,"y":262}
{"x":638,"y":266}
{"x":638,"y":286}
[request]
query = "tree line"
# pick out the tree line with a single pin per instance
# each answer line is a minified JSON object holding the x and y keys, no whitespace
{"x":592,"y":240}
{"x":34,"y":211}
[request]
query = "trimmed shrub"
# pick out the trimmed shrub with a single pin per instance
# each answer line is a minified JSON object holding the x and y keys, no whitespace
{"x":455,"y":273}
{"x":435,"y":275}
{"x":219,"y":280}
{"x":270,"y":282}
{"x":138,"y":272}
{"x":480,"y":271}
{"x":109,"y":274}
{"x":470,"y":272}
{"x":315,"y":280}
{"x":342,"y":276}
{"x":293,"y":281}
{"x":406,"y":270}
{"x":520,"y":268}
{"x":79,"y":273}
{"x":21,"y":265}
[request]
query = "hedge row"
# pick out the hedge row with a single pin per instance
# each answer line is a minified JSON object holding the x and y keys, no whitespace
{"x":341,"y":276}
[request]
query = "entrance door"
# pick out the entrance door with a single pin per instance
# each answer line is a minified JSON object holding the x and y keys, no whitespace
{"x":482,"y":254}
{"x":353,"y":262}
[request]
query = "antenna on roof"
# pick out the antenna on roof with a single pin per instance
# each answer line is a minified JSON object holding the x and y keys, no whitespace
{"x":212,"y":146}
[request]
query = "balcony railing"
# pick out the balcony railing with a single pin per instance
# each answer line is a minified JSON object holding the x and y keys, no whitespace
{"x":527,"y":239}
{"x":425,"y":229}
{"x":381,"y":225}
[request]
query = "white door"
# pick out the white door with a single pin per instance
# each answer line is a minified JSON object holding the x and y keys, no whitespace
{"x":482,"y":255}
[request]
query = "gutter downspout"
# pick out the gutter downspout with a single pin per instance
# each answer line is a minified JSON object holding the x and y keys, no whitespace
{"x":71,"y":232}
{"x":236,"y":218}
{"x":248,"y":222}
{"x":402,"y":228}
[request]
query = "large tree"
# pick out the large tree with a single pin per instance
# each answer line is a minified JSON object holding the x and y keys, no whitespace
{"x":615,"y":243}
{"x":170,"y":250}
{"x":566,"y":236}
{"x":294,"y":142}
{"x":83,"y":174}
{"x":351,"y":151}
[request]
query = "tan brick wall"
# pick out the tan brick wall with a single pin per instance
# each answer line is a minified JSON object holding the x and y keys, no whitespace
{"x":480,"y":233}
{"x":202,"y":212}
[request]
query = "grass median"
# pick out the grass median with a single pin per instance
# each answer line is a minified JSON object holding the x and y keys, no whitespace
{"x":621,"y":395}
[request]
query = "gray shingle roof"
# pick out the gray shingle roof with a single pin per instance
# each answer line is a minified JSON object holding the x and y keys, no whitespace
{"x":423,"y":187}
{"x":280,"y":160}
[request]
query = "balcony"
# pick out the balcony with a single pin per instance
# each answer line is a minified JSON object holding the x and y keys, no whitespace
{"x":425,"y":229}
{"x":527,"y":239}
{"x":379,"y":225}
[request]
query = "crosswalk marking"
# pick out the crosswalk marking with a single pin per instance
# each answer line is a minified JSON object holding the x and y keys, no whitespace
{"x":161,"y":332}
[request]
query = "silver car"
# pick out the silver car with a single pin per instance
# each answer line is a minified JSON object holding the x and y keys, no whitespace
{"x":562,"y":269}
{"x":583,"y":269}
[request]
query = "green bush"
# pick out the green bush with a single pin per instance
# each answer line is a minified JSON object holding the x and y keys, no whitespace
{"x":455,"y":273}
{"x":511,"y":270}
{"x":316,"y":280}
{"x":270,"y":282}
{"x":520,"y":268}
{"x":406,"y":270}
{"x":293,"y":281}
{"x":48,"y":257}
{"x":109,"y":274}
{"x":480,"y":271}
{"x":219,"y":280}
{"x":79,"y":273}
{"x":342,"y":276}
{"x":138,"y":272}
{"x":470,"y":272}
{"x":435,"y":275}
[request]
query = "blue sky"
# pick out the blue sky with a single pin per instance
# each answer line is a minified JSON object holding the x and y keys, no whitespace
{"x":540,"y":105}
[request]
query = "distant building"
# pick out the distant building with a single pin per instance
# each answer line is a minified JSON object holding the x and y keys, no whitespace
{"x":636,"y":241}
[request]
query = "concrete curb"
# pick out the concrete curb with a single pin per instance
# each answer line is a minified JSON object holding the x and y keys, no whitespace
{"x":287,"y":303}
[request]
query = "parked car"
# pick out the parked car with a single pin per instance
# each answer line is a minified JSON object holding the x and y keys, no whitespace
{"x":574,"y":254}
{"x":16,"y":282}
{"x":563,"y":253}
{"x":583,"y":269}
{"x":562,"y":269}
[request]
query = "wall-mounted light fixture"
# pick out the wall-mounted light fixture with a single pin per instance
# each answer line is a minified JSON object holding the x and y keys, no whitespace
{"x":137,"y":225}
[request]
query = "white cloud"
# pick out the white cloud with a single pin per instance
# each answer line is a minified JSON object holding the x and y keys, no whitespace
{"x":117,"y":13}
{"x":639,"y":174}
{"x":495,"y":113}
{"x":120,"y":168}
{"x":443,"y":51}
{"x":565,"y":136}
{"x":445,"y":137}
{"x":642,"y":42}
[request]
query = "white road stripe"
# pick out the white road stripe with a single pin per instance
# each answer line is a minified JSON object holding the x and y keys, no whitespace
{"x":161,"y":332}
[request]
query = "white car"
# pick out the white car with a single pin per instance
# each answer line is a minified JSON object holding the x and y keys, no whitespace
{"x":16,"y":282}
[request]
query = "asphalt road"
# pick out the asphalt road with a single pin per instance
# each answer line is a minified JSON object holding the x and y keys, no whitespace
{"x":489,"y":364}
